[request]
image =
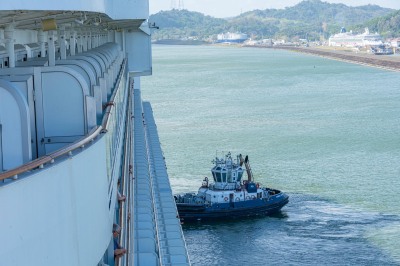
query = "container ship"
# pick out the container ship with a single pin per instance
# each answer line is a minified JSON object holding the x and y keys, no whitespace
{"x":82,"y":175}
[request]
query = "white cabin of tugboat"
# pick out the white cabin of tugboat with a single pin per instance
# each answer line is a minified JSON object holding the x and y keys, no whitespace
{"x":228,"y":186}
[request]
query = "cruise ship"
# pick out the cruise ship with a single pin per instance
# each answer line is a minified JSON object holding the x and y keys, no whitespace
{"x":230,"y":37}
{"x":349,"y":39}
{"x":83,"y":179}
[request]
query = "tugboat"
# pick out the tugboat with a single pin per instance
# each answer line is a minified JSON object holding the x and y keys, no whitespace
{"x":229,"y":197}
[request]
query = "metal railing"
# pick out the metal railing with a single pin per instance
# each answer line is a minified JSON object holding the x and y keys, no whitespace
{"x":40,"y":162}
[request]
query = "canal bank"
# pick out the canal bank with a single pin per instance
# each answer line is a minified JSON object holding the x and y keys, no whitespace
{"x":389,"y":62}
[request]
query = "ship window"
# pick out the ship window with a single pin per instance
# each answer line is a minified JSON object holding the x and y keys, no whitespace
{"x":229,"y":175}
{"x":223,"y":177}
{"x":218,"y":176}
{"x":213,"y":174}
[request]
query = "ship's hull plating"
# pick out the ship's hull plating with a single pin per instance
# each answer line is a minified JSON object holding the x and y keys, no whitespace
{"x":231,"y":210}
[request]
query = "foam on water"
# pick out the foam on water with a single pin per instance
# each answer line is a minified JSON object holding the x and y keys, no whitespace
{"x":310,"y":231}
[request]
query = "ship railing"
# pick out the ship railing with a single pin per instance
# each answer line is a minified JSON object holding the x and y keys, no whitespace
{"x":40,"y":162}
{"x":127,"y":188}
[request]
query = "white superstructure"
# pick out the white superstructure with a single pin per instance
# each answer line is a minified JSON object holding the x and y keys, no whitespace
{"x":79,"y":151}
{"x":348,"y":39}
{"x":232,"y":37}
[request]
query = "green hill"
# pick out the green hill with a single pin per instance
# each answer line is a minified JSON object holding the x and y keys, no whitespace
{"x":311,"y":19}
{"x":387,"y":26}
{"x":183,"y":23}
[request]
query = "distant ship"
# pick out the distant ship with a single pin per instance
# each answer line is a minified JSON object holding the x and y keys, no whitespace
{"x":229,"y":197}
{"x":349,"y":39}
{"x":231,"y":37}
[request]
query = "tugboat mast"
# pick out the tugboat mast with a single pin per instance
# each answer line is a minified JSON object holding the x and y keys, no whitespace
{"x":248,"y":168}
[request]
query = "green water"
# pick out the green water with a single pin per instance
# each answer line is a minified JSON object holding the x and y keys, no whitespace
{"x":326,"y":132}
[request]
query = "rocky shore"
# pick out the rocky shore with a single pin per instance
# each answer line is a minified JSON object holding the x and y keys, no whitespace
{"x":390,"y":62}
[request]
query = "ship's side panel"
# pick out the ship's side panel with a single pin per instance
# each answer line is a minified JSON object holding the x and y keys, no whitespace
{"x":139,"y":55}
{"x":62,"y":207}
{"x":116,"y":9}
{"x":128,"y":9}
{"x":15,"y":147}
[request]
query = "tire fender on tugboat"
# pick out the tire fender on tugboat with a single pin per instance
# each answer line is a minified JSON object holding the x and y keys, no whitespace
{"x":226,"y":199}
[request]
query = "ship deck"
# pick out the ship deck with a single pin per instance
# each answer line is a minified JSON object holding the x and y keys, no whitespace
{"x":156,"y":223}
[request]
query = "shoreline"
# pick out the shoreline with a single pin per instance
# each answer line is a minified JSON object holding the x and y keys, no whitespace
{"x":388,"y":62}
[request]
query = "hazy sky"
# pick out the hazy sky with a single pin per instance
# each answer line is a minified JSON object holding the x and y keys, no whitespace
{"x":229,"y":8}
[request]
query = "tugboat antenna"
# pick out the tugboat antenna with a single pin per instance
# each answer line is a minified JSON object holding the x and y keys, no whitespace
{"x":241,"y":159}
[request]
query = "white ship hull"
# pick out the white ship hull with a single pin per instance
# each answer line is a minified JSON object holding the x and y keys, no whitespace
{"x":231,"y":37}
{"x":61,"y":206}
{"x":75,"y":138}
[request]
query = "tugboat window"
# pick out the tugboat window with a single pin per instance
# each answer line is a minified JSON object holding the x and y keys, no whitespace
{"x":223,"y":177}
{"x":218,"y":176}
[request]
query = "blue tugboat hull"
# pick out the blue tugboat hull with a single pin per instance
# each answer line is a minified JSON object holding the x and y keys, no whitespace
{"x":233,"y":210}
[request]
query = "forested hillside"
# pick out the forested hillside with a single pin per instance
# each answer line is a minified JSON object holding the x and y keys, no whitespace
{"x":311,"y":19}
{"x":387,"y":26}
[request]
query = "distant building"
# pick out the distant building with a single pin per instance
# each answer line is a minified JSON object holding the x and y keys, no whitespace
{"x":348,"y":39}
{"x":395,"y":42}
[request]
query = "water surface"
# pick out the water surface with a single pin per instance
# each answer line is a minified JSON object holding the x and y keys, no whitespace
{"x":326,"y":132}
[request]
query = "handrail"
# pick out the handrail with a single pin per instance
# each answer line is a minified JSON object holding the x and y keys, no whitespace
{"x":111,"y":104}
{"x":39,"y":162}
{"x":125,"y":183}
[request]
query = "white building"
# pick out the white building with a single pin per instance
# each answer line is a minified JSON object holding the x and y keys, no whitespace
{"x":395,"y":42}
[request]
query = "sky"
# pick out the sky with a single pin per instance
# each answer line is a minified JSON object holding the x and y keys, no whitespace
{"x":230,"y":8}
